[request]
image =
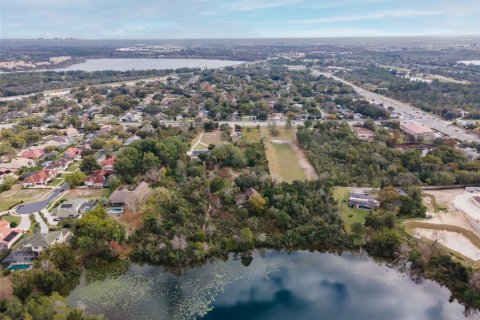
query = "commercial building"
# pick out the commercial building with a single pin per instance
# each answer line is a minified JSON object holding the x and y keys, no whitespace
{"x":417,"y":131}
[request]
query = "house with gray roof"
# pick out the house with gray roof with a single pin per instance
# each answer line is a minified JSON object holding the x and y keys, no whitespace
{"x":41,"y":241}
{"x":72,"y":209}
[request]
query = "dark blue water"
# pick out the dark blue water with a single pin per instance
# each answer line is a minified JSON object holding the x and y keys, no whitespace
{"x":275,"y":286}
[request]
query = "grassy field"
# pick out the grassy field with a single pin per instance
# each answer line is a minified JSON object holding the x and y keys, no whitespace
{"x":10,"y":218}
{"x":283,"y":160}
{"x":85,"y":194}
{"x":349,"y":215}
{"x":206,"y":138}
{"x":17,"y":194}
{"x":251,"y":135}
{"x":55,"y":182}
{"x":74,"y":166}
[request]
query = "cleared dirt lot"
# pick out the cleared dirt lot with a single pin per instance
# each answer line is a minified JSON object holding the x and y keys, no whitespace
{"x":440,"y":207}
{"x":446,"y":225}
{"x":452,"y":240}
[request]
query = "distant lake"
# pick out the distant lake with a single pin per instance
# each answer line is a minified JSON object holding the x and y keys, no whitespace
{"x":146,"y":64}
{"x":274,"y":286}
{"x":474,"y":62}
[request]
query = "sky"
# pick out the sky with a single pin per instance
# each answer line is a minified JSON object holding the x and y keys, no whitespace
{"x":203,"y":19}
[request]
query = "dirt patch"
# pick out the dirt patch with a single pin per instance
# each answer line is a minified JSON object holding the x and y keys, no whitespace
{"x":441,"y":210}
{"x":131,"y":221}
{"x":6,"y":290}
{"x":453,"y":241}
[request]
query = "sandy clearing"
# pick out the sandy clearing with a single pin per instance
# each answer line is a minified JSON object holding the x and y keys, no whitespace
{"x":452,"y":240}
{"x":464,"y":203}
{"x":449,"y":216}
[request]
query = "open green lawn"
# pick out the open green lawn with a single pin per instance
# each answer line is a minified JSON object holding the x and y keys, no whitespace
{"x":283,"y":162}
{"x":74,"y":166}
{"x":17,"y":194}
{"x":10,"y":218}
{"x":85,"y":194}
{"x":349,"y":215}
{"x":55,"y":182}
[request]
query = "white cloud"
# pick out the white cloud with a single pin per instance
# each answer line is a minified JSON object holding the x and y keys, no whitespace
{"x":369,"y":16}
{"x":252,"y":5}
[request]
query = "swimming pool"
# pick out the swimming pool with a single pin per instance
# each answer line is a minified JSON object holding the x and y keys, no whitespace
{"x":115,"y":210}
{"x":16,"y":267}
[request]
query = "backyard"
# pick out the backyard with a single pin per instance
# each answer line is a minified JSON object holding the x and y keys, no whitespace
{"x":349,"y":215}
{"x":204,"y":139}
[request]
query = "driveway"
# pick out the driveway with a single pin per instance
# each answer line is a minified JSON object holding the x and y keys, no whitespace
{"x":42,"y":204}
{"x":41,"y":222}
{"x":24,"y":222}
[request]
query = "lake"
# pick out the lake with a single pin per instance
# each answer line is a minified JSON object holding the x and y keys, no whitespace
{"x":124,"y":64}
{"x":274,"y":286}
{"x":467,"y":62}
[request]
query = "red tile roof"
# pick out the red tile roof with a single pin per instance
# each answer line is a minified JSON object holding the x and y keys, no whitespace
{"x":72,"y":152}
{"x":40,"y":177}
{"x":108,"y":162}
{"x":32,"y":154}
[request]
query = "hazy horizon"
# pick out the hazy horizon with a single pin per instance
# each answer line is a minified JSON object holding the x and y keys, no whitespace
{"x":243,"y":19}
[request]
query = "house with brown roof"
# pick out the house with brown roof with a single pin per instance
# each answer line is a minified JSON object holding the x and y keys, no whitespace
{"x":59,"y":165}
{"x":73,"y":153}
{"x":98,"y":178}
{"x":108,"y":164}
{"x":32,"y":154}
{"x":120,"y":198}
{"x":364,"y":133}
{"x":243,"y":197}
{"x":40,"y":178}
{"x":8,"y":235}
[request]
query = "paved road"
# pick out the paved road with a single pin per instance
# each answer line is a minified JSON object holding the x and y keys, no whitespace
{"x":39,"y":205}
{"x":432,"y":121}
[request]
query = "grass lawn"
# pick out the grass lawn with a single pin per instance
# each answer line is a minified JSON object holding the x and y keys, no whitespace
{"x":349,"y":215}
{"x":251,"y":135}
{"x":214,"y":137}
{"x":17,"y":194}
{"x":283,"y":162}
{"x":85,"y":194}
{"x":10,"y":218}
{"x":55,"y":182}
{"x":74,"y":166}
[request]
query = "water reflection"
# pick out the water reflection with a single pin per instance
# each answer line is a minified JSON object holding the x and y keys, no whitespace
{"x":300,"y":285}
{"x":124,"y":64}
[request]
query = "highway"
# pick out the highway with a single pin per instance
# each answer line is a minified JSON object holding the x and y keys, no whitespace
{"x":432,"y":121}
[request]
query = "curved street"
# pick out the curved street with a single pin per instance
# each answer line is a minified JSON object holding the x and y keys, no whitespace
{"x":37,"y":206}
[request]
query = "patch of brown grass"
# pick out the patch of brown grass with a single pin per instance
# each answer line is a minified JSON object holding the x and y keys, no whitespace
{"x":6,"y":290}
{"x":131,"y":221}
